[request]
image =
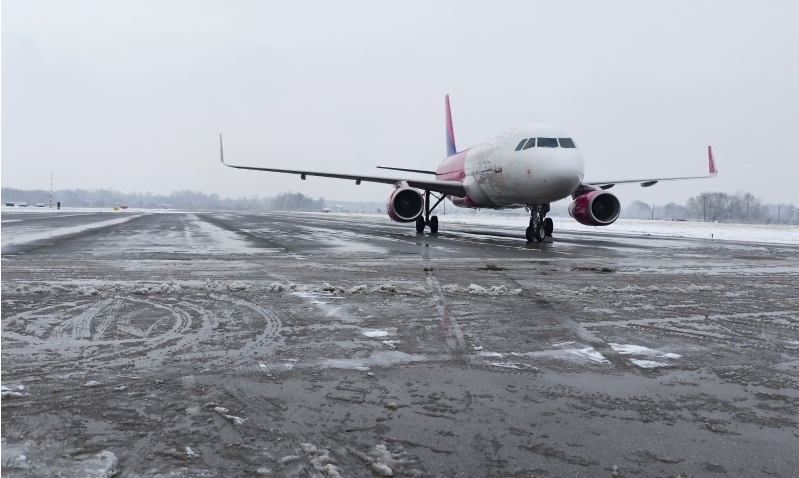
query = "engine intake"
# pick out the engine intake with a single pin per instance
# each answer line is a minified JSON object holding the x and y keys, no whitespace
{"x":405,"y":205}
{"x":595,"y":208}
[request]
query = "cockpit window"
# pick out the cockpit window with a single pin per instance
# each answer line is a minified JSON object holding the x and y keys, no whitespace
{"x":547,"y":142}
{"x":530,"y":143}
{"x":521,"y":143}
{"x":566,"y":143}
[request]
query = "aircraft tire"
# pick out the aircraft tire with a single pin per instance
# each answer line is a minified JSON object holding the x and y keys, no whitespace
{"x":434,"y":224}
{"x":420,"y":224}
{"x":529,"y":234}
{"x":549,"y":226}
{"x":540,"y":233}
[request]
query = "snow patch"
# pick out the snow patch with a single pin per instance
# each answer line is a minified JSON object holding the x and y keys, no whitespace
{"x":235,"y":286}
{"x":381,"y":460}
{"x":514,"y":366}
{"x":475,"y":289}
{"x":164,"y":288}
{"x":13,"y":391}
{"x":375,"y":333}
{"x":648,"y":363}
{"x":224,"y":412}
{"x":651,"y":288}
{"x":321,"y":460}
{"x":630,"y":349}
{"x":588,"y":353}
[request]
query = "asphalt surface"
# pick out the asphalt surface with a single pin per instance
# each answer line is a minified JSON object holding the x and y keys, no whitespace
{"x":249,"y":344}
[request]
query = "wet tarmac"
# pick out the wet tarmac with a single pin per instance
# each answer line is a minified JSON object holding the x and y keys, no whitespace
{"x":254,"y":344}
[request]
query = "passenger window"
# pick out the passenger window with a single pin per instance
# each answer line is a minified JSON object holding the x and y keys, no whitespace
{"x":520,"y":144}
{"x":566,"y":143}
{"x":530,"y":143}
{"x":547,"y":142}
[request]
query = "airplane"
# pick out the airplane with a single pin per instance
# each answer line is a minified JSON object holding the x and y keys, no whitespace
{"x":530,"y":166}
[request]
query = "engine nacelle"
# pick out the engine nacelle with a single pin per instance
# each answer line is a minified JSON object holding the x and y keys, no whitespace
{"x":595,"y":208}
{"x":405,"y":205}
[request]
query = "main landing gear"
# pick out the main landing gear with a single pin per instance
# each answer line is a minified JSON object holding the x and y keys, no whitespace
{"x":540,"y":225}
{"x":426,"y":219}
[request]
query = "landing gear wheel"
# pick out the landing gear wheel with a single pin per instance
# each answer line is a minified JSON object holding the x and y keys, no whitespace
{"x":540,"y":233}
{"x":434,"y":224}
{"x":529,"y":234}
{"x":420,"y":224}
{"x":548,"y":226}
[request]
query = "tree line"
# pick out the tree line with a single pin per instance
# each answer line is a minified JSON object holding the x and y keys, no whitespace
{"x":289,"y":201}
{"x":716,"y":207}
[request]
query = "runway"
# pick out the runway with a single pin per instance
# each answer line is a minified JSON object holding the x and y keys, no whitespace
{"x":303,"y":344}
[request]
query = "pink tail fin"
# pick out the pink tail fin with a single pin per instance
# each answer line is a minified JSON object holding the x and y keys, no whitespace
{"x":712,"y":163}
{"x":451,"y":151}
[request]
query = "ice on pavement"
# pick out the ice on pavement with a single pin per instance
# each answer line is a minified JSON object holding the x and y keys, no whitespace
{"x":382,"y":358}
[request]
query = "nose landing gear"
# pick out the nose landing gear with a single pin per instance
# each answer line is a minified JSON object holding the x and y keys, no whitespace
{"x":540,"y":226}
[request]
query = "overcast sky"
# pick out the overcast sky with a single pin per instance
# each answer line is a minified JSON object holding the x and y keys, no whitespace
{"x":133,"y":95}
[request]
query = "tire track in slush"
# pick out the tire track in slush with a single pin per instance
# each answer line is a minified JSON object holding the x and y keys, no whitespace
{"x":454,"y":334}
{"x":81,"y":324}
{"x":240,"y":358}
{"x":111,"y":314}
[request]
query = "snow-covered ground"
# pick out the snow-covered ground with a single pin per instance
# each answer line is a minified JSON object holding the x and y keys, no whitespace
{"x":701,"y":230}
{"x":70,"y":210}
{"x":782,"y":234}
{"x":30,"y":234}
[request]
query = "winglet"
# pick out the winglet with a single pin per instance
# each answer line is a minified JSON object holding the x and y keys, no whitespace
{"x":221,"y":151}
{"x":711,"y":163}
{"x":451,"y":151}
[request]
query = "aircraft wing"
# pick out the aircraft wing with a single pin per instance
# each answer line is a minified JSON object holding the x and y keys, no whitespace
{"x":712,"y":171}
{"x":454,"y":188}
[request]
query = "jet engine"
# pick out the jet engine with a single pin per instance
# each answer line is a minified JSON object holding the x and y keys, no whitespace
{"x":405,"y":205}
{"x":595,"y":208}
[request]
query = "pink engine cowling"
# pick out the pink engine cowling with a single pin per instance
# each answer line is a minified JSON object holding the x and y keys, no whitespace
{"x":405,"y":205}
{"x":595,"y":208}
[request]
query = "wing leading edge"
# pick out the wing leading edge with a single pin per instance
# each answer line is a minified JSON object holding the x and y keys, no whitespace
{"x":454,"y":188}
{"x":712,"y":171}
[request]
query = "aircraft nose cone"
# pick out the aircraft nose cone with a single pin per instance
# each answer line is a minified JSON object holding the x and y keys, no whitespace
{"x":564,"y":173}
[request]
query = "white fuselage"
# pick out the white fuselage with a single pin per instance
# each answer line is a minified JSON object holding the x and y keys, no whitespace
{"x":497,"y":175}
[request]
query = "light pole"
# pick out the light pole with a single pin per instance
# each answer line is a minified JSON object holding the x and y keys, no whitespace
{"x":704,"y":209}
{"x":778,"y":213}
